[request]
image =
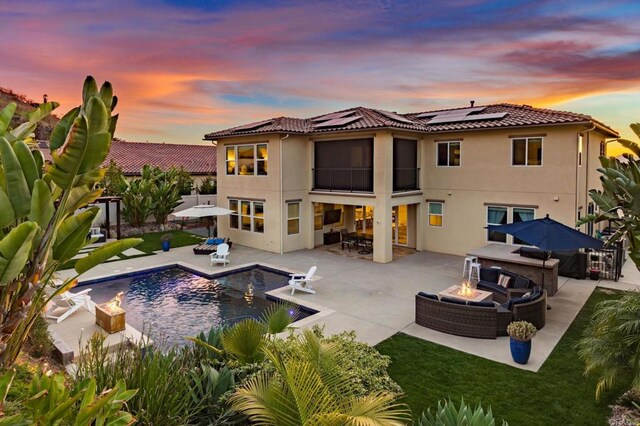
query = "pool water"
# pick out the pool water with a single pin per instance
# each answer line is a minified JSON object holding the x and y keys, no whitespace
{"x":174,"y":303}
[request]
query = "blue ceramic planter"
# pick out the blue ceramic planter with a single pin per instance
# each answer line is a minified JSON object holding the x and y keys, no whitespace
{"x":166,"y":245}
{"x":520,"y":350}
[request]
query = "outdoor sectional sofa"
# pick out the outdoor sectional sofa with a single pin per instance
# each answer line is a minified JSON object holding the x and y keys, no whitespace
{"x":484,"y":320}
{"x":210,"y":245}
{"x":518,"y":284}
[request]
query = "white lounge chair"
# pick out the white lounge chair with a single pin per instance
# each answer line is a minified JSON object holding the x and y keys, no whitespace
{"x":96,"y":234}
{"x":221,"y":254}
{"x":302,"y":282}
{"x":65,"y":304}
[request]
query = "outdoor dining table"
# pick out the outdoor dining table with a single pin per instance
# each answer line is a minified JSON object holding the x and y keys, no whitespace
{"x":367,"y":241}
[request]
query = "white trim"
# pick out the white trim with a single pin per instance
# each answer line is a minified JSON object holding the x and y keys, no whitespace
{"x":437,"y":144}
{"x":526,"y":148}
{"x":580,"y":147}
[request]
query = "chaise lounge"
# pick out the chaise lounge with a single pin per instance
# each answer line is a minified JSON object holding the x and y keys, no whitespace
{"x":211,"y":245}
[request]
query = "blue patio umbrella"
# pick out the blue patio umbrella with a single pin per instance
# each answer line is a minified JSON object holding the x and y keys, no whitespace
{"x":548,"y":235}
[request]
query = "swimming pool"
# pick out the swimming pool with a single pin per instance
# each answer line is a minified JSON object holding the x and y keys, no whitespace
{"x":174,"y":302}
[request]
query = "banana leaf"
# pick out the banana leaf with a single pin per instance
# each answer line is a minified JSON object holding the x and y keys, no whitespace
{"x":59,"y":134}
{"x":7,"y":215}
{"x":105,"y":252}
{"x":72,"y":234}
{"x":5,"y":116}
{"x":81,"y":196}
{"x":15,"y":249}
{"x":27,"y":162}
{"x":16,"y":184}
{"x":41,"y":204}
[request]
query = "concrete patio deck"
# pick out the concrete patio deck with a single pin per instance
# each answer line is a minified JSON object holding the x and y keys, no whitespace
{"x":376,"y":300}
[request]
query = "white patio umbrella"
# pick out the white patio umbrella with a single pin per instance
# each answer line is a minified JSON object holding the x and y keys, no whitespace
{"x":203,"y":210}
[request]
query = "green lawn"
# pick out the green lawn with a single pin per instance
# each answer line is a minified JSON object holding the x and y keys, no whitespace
{"x":153,"y":241}
{"x":558,"y":394}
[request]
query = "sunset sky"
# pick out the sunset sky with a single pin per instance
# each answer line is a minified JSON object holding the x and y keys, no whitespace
{"x":185,"y":68}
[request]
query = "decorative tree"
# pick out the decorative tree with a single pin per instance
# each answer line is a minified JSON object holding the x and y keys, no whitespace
{"x":114,"y":182}
{"x":40,"y":227}
{"x":619,"y":200}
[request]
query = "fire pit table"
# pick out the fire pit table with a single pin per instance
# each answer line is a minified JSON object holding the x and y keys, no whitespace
{"x":466,"y":293}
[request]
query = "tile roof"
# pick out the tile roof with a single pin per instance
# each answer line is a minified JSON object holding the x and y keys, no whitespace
{"x":131,"y":156}
{"x":514,"y":116}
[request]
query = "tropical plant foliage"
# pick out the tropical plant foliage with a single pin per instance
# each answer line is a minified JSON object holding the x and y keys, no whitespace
{"x":50,"y":402}
{"x":184,"y":181}
{"x":155,"y":192}
{"x":40,"y":226}
{"x":447,"y":414}
{"x":610,"y":346}
{"x":619,"y":200}
{"x":309,"y":387}
{"x":114,"y":182}
{"x":207,"y":186}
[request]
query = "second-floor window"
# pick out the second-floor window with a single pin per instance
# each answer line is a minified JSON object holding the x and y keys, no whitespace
{"x":448,"y":154}
{"x":526,"y":152}
{"x":248,"y":160}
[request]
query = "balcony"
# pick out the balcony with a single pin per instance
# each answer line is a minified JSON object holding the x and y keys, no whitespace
{"x":343,"y":179}
{"x":406,"y":179}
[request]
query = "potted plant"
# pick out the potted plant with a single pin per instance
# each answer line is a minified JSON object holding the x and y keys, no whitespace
{"x":521,"y":333}
{"x":166,"y":242}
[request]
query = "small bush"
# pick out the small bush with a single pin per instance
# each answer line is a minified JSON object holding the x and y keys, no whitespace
{"x":448,"y":415}
{"x":208,"y":186}
{"x":39,"y":343}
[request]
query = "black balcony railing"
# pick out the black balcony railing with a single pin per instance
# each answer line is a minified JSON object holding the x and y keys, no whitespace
{"x":406,"y":179}
{"x":343,"y":179}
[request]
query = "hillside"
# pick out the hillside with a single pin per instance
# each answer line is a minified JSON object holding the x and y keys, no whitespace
{"x":24,"y":106}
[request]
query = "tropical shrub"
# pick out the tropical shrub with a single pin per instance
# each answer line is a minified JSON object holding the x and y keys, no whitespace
{"x":619,"y":200}
{"x":114,"y":182}
{"x":40,"y":229}
{"x":174,"y":386}
{"x":208,"y":186}
{"x":184,"y":181}
{"x":50,"y":402}
{"x":309,"y":386}
{"x":39,"y":343}
{"x":165,"y":195}
{"x":137,"y":203}
{"x":610,"y":346}
{"x":448,"y":414}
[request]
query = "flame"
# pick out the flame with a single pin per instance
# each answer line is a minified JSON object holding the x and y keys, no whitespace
{"x":113,"y":305}
{"x":248,"y":295}
{"x":466,"y":290}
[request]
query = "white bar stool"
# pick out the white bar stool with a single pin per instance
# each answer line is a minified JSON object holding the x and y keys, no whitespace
{"x":475,"y":267}
{"x":467,"y":265}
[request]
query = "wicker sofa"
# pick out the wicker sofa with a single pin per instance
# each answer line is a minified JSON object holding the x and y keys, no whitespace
{"x":518,"y":285}
{"x":484,"y":320}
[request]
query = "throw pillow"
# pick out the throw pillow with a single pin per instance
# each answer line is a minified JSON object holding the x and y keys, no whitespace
{"x":210,"y":241}
{"x":503,"y":281}
{"x":527,"y":294}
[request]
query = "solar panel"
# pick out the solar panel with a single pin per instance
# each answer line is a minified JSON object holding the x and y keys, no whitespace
{"x":333,"y":116}
{"x":252,"y":126}
{"x":454,"y":112}
{"x":477,"y":117}
{"x":337,"y":122}
{"x":394,"y":116}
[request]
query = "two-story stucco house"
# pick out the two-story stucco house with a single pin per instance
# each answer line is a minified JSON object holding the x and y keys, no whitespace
{"x":428,"y":180}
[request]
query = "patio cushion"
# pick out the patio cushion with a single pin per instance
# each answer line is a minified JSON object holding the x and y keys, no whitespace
{"x":428,"y":295}
{"x":451,"y":300}
{"x":218,"y":241}
{"x":210,"y":241}
{"x":491,"y":286}
{"x":504,"y":281}
{"x":517,"y":301}
{"x":489,"y":274}
{"x":522,"y":282}
{"x":484,"y":304}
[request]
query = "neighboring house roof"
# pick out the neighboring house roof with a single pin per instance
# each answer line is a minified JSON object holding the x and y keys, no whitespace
{"x":131,"y":156}
{"x":457,"y":119}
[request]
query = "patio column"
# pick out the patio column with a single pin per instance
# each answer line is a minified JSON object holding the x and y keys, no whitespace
{"x":383,"y":189}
